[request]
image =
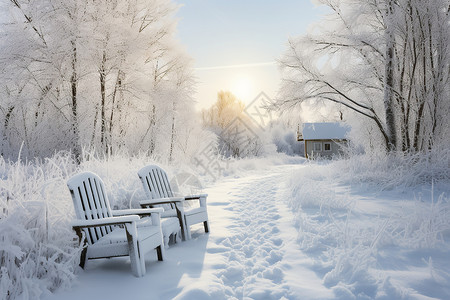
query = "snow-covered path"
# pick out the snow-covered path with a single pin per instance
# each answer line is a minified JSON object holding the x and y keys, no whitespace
{"x":250,"y":253}
{"x":254,"y":245}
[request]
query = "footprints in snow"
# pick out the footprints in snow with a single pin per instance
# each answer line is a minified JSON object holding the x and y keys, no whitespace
{"x":253,"y":251}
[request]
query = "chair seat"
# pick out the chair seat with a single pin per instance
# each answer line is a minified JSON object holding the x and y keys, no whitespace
{"x":116,"y":244}
{"x":194,"y":211}
{"x":173,"y":212}
{"x":196,"y":215}
{"x":169,"y":213}
{"x":169,"y":226}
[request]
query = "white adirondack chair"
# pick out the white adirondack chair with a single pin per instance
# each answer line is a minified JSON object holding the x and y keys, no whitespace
{"x":112,"y":233}
{"x":157,"y":188}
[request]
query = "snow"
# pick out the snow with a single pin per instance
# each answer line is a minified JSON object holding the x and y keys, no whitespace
{"x":321,"y":131}
{"x":294,"y":231}
{"x":250,"y":252}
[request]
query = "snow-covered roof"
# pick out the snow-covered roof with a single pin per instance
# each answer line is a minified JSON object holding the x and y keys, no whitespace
{"x":324,"y":131}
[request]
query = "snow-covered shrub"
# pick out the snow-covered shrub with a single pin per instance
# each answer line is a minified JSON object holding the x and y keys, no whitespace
{"x":396,"y":169}
{"x":427,"y":227}
{"x":38,"y":252}
{"x":285,"y":140}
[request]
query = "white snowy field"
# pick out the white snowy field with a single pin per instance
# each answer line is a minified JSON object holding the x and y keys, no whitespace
{"x":294,"y":232}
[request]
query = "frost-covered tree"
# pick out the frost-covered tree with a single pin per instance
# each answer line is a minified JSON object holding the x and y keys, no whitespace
{"x":238,"y":135}
{"x":385,"y":60}
{"x":226,"y":108}
{"x":32,"y":88}
{"x":104,"y":75}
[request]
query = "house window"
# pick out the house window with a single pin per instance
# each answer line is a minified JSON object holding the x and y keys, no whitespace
{"x":327,"y":146}
{"x":318,"y":147}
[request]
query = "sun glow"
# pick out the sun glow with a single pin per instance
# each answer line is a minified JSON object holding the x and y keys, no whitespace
{"x":243,"y":87}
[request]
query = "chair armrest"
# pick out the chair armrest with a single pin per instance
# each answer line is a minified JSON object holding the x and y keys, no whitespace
{"x":195,"y":197}
{"x":201,"y":199}
{"x":137,"y":211}
{"x":104,"y":221}
{"x":161,"y":201}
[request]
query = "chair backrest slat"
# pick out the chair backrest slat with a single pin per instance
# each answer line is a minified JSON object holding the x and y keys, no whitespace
{"x":88,"y":214}
{"x":90,"y":202}
{"x":99,"y":208}
{"x":147,"y":181}
{"x":103,"y":208}
{"x":160,"y":175}
{"x":156,"y":183}
{"x":88,"y":185}
{"x":166,"y":183}
{"x":157,"y":180}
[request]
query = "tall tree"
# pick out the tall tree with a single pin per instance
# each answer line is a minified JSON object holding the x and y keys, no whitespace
{"x":388,"y":84}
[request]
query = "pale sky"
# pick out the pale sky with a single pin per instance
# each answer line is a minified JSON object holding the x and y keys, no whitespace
{"x":234,"y":43}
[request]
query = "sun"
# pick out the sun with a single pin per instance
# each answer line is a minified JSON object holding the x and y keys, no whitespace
{"x":243,"y":87}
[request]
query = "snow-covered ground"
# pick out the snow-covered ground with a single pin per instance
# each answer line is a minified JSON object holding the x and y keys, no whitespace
{"x":293,"y":232}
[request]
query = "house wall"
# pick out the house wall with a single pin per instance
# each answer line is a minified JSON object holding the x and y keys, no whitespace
{"x":335,"y":148}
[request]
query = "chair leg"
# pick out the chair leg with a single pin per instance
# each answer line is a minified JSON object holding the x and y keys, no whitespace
{"x":182,"y":225}
{"x":136,"y":258}
{"x":82,"y":239}
{"x":141,"y":260}
{"x":159,"y":252}
{"x":188,"y":232}
{"x":83,"y":257}
{"x":206,"y":225}
{"x":166,"y":240}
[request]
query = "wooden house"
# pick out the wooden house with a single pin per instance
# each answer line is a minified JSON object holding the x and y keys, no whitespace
{"x":323,"y":139}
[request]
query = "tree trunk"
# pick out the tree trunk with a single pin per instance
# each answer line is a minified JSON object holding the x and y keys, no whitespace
{"x":389,"y":80}
{"x":74,"y":82}
{"x":102,"y":73}
{"x":152,"y":145}
{"x":417,"y":134}
{"x":6,"y":125}
{"x":115,"y":103}
{"x":172,"y":136}
{"x":94,"y":128}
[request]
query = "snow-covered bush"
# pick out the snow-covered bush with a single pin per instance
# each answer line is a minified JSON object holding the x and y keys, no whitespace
{"x":396,"y":169}
{"x":38,"y":252}
{"x":285,"y":140}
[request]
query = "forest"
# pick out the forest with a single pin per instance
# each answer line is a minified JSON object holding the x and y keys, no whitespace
{"x":105,"y":77}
